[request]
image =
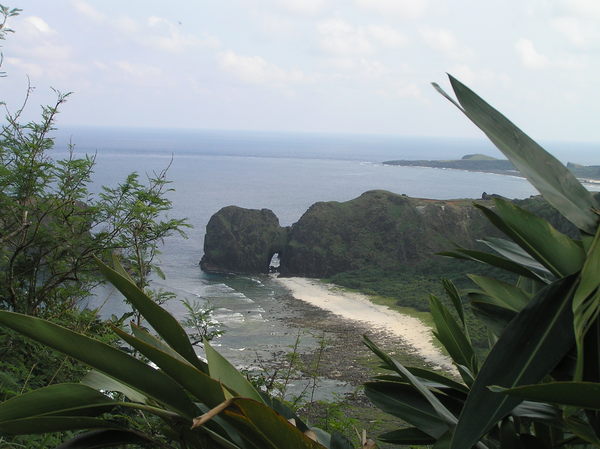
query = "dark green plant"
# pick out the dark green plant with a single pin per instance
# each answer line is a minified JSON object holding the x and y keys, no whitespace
{"x":539,"y":385}
{"x":51,"y":225}
{"x":199,"y":404}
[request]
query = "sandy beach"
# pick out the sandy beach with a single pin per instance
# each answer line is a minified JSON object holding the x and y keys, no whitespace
{"x":354,"y":306}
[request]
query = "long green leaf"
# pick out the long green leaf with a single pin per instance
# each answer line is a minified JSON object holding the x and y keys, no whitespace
{"x":548,"y":175}
{"x":409,"y":435}
{"x":495,"y":317}
{"x":586,"y":302}
{"x":434,"y":376}
{"x":504,"y":294}
{"x":280,"y":432}
{"x":97,"y":439}
{"x":104,"y":358}
{"x":451,"y":335}
{"x":47,"y":424}
{"x":162,"y":321}
{"x":205,"y":389}
{"x":579,"y":394}
{"x":220,"y":369}
{"x":406,"y":403}
{"x":454,"y":296}
{"x":529,"y":348}
{"x":58,"y":398}
{"x":445,"y":414}
{"x":100,"y":381}
{"x":493,"y":260}
{"x":514,"y":252}
{"x":560,"y":254}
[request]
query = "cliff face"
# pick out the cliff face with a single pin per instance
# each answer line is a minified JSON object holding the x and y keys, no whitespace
{"x":241,"y":241}
{"x":378,"y":229}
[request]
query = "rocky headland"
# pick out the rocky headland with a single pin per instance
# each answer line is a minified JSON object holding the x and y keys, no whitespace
{"x":488,"y":164}
{"x":379,"y":229}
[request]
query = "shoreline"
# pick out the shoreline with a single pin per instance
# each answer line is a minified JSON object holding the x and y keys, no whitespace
{"x":358,"y":308}
{"x":590,"y":182}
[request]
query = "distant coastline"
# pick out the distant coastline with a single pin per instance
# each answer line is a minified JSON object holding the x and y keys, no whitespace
{"x":488,"y":164}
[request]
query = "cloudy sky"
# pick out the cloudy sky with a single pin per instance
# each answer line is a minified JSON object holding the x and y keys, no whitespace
{"x":360,"y":66}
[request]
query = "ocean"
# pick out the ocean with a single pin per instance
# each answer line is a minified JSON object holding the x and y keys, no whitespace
{"x":286,"y":173}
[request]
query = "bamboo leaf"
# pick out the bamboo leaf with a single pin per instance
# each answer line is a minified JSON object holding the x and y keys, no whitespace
{"x":534,"y":342}
{"x":162,"y":321}
{"x":551,"y":178}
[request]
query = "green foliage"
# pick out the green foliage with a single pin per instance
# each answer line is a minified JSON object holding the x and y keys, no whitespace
{"x":199,"y":322}
{"x":544,"y":327}
{"x":198,"y":404}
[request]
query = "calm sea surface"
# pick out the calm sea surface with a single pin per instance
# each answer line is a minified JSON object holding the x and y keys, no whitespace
{"x":285,"y":173}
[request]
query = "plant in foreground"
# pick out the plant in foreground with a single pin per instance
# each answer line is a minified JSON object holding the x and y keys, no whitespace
{"x":539,"y":386}
{"x":199,"y":404}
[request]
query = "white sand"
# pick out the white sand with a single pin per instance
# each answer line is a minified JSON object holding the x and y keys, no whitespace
{"x":357,"y":307}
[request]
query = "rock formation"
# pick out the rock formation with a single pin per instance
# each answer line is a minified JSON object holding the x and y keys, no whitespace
{"x":379,"y":229}
{"x":241,"y":241}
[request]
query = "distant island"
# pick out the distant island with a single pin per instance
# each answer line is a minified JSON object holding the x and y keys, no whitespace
{"x":488,"y":164}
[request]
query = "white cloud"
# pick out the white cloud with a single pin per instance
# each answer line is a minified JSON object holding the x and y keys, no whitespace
{"x":308,"y":7}
{"x":256,"y":70}
{"x":445,"y":41}
{"x":157,"y":32}
{"x":39,"y":24}
{"x":165,"y":35}
{"x":582,"y":8}
{"x":529,"y":56}
{"x":404,"y":9}
{"x":408,"y":90}
{"x":339,"y":37}
{"x":577,"y":31}
{"x":469,"y":76}
{"x":31,"y":68}
{"x":88,"y":11}
{"x":145,"y":74}
{"x":387,"y":36}
{"x":126,"y":25}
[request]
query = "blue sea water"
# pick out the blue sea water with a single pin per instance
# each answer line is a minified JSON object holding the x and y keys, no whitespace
{"x":285,"y":173}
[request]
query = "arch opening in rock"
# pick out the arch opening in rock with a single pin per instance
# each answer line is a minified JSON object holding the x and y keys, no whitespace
{"x":274,"y":263}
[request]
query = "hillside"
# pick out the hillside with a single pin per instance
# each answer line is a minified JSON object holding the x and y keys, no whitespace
{"x":488,"y":164}
{"x":379,"y":229}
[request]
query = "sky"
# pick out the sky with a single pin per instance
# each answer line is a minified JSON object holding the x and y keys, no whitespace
{"x":336,"y":66}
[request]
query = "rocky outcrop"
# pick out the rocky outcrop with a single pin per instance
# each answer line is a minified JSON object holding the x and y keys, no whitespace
{"x":379,"y":229}
{"x":241,"y":241}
